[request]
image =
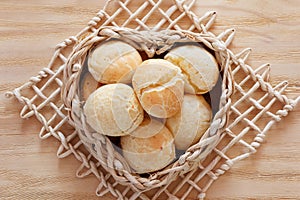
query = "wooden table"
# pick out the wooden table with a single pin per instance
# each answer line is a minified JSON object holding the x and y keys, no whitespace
{"x":29,"y":31}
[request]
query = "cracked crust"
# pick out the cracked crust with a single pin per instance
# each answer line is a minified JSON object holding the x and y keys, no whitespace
{"x":199,"y":67}
{"x":113,"y":62}
{"x":113,"y":110}
{"x":159,"y":86}
{"x":152,"y":152}
{"x":191,"y":122}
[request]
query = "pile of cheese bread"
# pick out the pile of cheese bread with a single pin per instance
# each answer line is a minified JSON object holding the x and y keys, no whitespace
{"x":155,"y":106}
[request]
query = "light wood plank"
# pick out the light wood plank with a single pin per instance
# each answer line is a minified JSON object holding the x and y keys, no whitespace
{"x":29,"y":31}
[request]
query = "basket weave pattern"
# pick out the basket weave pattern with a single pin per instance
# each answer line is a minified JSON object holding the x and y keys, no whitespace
{"x":244,"y":131}
{"x":99,"y":145}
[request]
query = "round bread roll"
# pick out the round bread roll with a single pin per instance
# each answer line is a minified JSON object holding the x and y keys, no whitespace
{"x":191,"y":122}
{"x":113,"y":62}
{"x":159,"y":86}
{"x":89,"y":85}
{"x":199,"y":67}
{"x":150,"y":151}
{"x":113,"y":110}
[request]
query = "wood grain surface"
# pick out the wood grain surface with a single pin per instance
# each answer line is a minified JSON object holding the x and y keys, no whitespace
{"x":29,"y":31}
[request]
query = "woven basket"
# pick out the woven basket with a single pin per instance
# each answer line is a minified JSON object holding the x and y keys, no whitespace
{"x":152,"y":43}
{"x":249,"y":107}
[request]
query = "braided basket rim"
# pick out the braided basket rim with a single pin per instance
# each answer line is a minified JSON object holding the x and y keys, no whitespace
{"x":151,"y":42}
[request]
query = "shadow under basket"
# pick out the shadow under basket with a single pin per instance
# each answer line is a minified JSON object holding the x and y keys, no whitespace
{"x":151,"y":44}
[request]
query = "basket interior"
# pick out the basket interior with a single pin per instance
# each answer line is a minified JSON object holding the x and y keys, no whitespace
{"x":212,"y":97}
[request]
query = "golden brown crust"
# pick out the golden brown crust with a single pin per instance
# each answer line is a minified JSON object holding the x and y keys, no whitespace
{"x":147,"y":154}
{"x":199,"y":67}
{"x":191,"y":122}
{"x":89,"y":86}
{"x":113,"y":110}
{"x":113,"y":62}
{"x":159,"y":86}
